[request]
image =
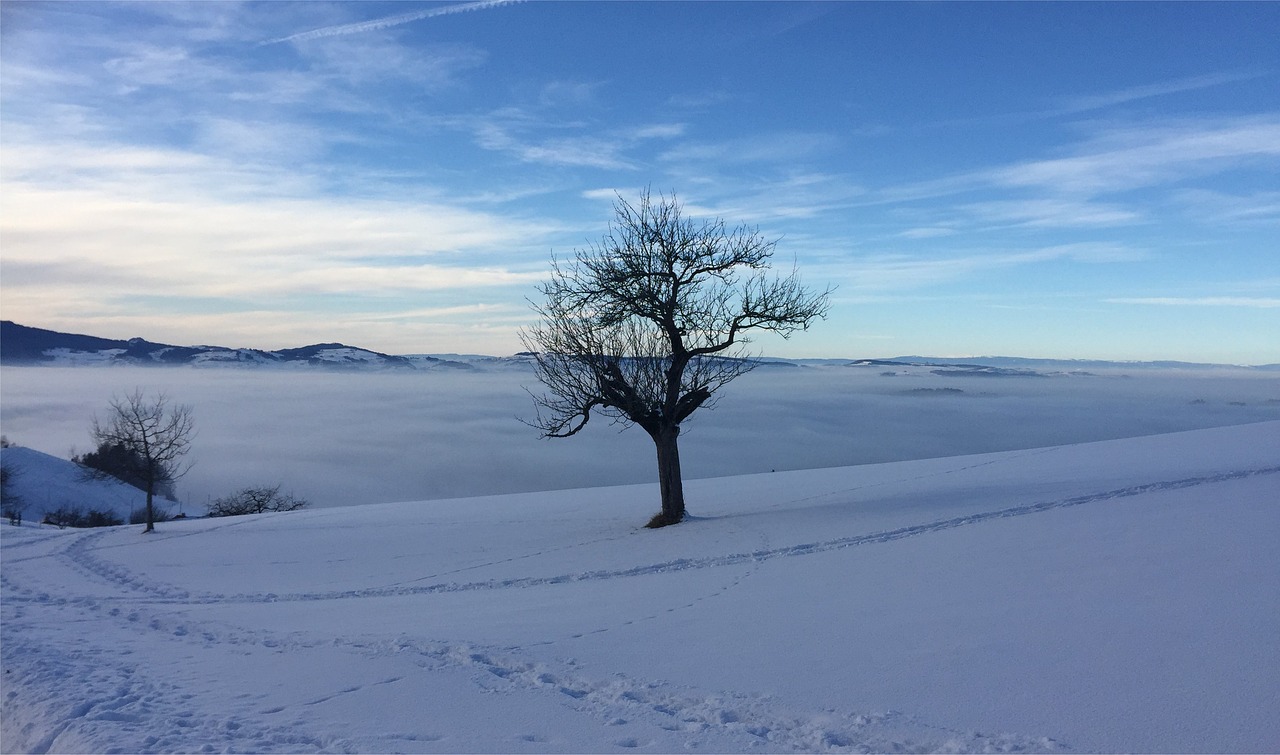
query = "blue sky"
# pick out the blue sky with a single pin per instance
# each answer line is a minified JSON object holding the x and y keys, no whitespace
{"x":1052,"y":180}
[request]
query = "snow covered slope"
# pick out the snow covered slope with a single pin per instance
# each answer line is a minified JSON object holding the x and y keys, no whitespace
{"x":20,"y":344}
{"x":46,"y":483}
{"x":1113,"y":596}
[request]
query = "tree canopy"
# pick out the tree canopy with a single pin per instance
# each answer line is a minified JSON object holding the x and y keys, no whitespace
{"x":153,"y":436}
{"x":646,"y":325}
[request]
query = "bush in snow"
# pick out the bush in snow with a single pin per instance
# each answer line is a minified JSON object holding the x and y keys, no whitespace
{"x":255,"y":501}
{"x":139,"y":516}
{"x":68,"y":516}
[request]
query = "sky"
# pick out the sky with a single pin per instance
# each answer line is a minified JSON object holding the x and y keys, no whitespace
{"x":1077,"y":180}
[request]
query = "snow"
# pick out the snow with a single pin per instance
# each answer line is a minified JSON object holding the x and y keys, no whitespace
{"x":46,"y":483}
{"x":1107,"y":596}
{"x":232,"y":357}
{"x":69,"y":357}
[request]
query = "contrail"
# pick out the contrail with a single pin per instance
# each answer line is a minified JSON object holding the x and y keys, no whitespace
{"x":383,"y":23}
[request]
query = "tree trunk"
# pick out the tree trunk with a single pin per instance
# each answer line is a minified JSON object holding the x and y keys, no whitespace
{"x":669,"y":481}
{"x":151,"y":519}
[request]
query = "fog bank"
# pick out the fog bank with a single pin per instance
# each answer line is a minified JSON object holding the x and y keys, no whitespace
{"x":351,"y":438}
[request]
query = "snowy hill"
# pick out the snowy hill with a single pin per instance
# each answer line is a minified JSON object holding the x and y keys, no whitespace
{"x":23,"y":345}
{"x":1102,"y":597}
{"x":46,"y":483}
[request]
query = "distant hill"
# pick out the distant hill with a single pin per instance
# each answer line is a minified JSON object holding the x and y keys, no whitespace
{"x":23,"y":345}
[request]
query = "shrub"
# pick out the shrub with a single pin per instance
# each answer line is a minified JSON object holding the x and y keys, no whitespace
{"x":258,"y":500}
{"x":139,"y":516}
{"x":69,"y":516}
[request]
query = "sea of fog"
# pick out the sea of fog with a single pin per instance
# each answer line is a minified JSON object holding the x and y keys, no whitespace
{"x":351,"y":438}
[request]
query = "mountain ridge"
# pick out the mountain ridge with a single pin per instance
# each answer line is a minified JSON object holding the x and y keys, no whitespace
{"x":26,"y":345}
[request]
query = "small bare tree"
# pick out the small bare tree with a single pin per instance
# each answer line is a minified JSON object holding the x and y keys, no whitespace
{"x":256,"y":501}
{"x":646,"y":325}
{"x":156,"y":435}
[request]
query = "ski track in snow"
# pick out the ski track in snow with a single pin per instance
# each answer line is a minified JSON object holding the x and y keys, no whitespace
{"x":150,"y":717}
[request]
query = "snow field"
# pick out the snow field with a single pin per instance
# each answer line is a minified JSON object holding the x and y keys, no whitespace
{"x":1114,"y":596}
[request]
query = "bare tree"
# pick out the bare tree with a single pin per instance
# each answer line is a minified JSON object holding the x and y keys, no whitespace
{"x":646,"y":325}
{"x":255,"y":501}
{"x":155,"y":433}
{"x":120,"y":462}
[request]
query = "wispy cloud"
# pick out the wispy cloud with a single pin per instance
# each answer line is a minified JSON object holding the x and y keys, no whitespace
{"x":785,"y":193}
{"x":1130,"y":158}
{"x":1121,"y":176}
{"x":895,"y":272}
{"x":526,"y":136}
{"x":1158,"y":89}
{"x":1116,"y":159}
{"x":1261,"y":208}
{"x":1253,"y":302}
{"x":783,"y":147}
{"x":932,"y":232}
{"x":1050,"y":213}
{"x":79,"y":220}
{"x":387,"y":21}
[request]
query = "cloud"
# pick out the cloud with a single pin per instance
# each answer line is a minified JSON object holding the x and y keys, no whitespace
{"x":790,"y":194}
{"x":892,"y":272}
{"x":524,"y":135}
{"x":609,"y":194}
{"x":490,"y":312}
{"x":1051,"y":213}
{"x":1261,"y":208}
{"x":1146,"y":91}
{"x":1252,"y":302}
{"x":387,"y":21}
{"x":658,"y":131}
{"x":102,"y":231}
{"x":1121,"y":176}
{"x":927,"y":233}
{"x":578,"y":151}
{"x":781,"y":147}
{"x":1116,"y":159}
{"x":568,"y":93}
{"x":1131,"y":158}
{"x":366,"y":70}
{"x":381,"y":280}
